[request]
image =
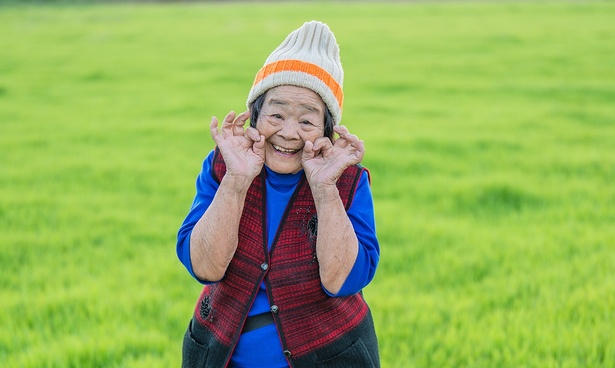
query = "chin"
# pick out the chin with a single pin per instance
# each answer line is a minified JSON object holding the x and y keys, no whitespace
{"x":284,"y":169}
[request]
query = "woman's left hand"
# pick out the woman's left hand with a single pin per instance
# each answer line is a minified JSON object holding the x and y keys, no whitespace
{"x":325,"y":162}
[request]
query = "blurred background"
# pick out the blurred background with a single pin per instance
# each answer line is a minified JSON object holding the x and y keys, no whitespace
{"x":489,"y":129}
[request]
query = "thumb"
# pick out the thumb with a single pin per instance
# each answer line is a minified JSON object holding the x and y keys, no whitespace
{"x":308,"y":151}
{"x":259,"y":147}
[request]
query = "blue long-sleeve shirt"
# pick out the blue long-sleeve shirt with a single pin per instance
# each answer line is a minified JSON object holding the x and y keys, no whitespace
{"x":280,"y":187}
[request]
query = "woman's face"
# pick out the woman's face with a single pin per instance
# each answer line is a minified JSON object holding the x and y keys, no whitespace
{"x":290,"y":116}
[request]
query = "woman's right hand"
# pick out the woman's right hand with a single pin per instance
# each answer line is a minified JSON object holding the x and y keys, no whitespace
{"x":243,"y":150}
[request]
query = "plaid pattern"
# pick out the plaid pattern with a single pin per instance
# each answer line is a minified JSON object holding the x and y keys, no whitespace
{"x":307,"y":318}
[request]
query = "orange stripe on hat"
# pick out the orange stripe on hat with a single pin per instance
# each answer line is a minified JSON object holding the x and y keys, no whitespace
{"x":293,"y":65}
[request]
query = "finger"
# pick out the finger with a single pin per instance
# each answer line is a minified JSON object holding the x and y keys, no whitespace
{"x":252,"y":134}
{"x":346,"y":139}
{"x":322,"y":143}
{"x":360,"y":146}
{"x":352,"y":139}
{"x":340,"y":129}
{"x":359,"y":152}
{"x":213,"y":128}
{"x":343,"y":132}
{"x":242,"y":118}
{"x":308,"y":151}
{"x":259,"y":146}
{"x":227,"y":124}
{"x":239,"y":123}
{"x":341,"y":142}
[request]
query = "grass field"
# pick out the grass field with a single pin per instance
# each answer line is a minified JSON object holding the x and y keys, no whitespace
{"x":490,"y":135}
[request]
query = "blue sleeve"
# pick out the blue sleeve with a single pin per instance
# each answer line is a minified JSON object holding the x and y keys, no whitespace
{"x":361,"y":214}
{"x":206,"y":188}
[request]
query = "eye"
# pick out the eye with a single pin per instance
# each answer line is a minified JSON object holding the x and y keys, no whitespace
{"x":306,"y":122}
{"x":274,"y":118}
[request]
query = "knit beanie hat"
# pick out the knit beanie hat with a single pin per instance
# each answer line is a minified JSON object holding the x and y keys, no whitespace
{"x":309,"y":57}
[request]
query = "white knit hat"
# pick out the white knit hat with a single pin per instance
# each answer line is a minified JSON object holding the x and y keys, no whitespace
{"x":309,"y":57}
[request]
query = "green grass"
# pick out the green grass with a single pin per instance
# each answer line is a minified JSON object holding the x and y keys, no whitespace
{"x":489,"y":128}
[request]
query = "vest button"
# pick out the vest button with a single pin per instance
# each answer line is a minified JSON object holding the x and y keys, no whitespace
{"x":274,"y":309}
{"x":287,"y":353}
{"x":264,"y":266}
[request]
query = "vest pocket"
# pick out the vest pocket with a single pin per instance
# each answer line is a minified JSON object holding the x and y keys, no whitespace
{"x":355,"y":356}
{"x":194,"y":353}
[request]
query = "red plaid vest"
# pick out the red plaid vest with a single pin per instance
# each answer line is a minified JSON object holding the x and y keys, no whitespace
{"x":306,"y":317}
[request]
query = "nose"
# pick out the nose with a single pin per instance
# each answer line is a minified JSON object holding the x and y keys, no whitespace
{"x":289,"y":130}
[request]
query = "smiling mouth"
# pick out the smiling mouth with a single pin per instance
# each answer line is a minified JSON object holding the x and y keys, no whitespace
{"x":284,"y":150}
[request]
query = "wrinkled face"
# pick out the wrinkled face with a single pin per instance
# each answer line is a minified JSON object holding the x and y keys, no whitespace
{"x":290,"y":116}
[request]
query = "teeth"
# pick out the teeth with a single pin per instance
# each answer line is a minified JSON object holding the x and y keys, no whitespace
{"x":284,"y":150}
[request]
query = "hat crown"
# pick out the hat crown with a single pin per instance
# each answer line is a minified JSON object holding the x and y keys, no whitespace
{"x":313,"y":43}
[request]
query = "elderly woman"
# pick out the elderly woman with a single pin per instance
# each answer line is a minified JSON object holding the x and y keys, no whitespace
{"x":281,"y":231}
